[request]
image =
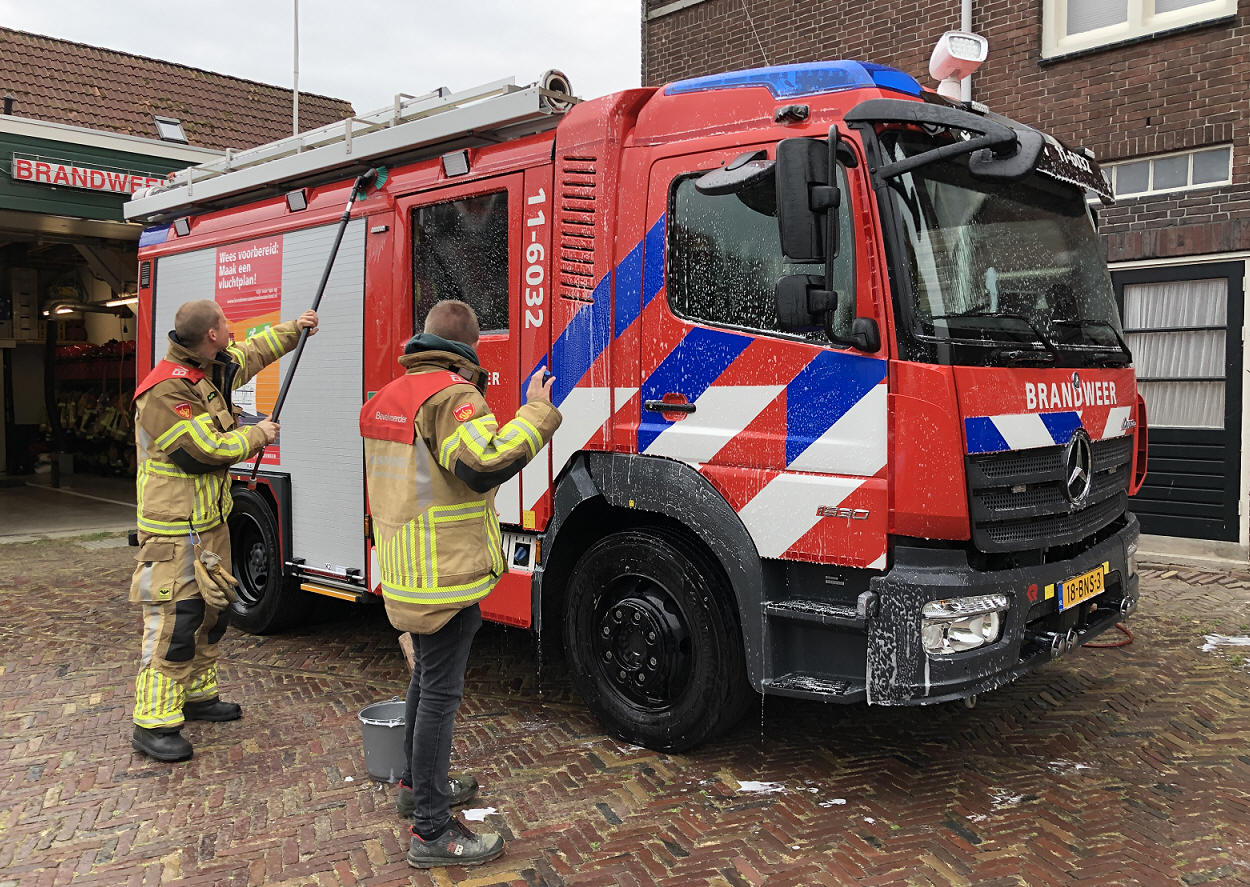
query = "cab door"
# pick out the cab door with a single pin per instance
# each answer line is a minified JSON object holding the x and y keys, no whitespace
{"x":789,"y":428}
{"x":461,"y":239}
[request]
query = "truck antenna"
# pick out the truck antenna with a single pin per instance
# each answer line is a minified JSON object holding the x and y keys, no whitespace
{"x":751,"y":22}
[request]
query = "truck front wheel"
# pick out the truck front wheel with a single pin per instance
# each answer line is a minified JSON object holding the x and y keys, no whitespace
{"x":264,"y":604}
{"x":653,"y":640}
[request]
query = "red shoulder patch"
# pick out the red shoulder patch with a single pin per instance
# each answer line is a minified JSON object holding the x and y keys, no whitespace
{"x":464,"y":412}
{"x":183,"y":409}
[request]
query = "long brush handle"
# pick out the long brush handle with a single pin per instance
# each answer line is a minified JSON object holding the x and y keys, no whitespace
{"x":361,"y":183}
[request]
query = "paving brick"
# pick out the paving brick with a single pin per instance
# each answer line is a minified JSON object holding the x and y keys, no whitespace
{"x":1120,"y":766}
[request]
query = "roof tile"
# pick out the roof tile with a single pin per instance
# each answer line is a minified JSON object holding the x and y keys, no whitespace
{"x":66,"y":82}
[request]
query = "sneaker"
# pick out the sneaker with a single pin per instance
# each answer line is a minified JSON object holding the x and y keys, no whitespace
{"x":461,"y":786}
{"x":163,"y":743}
{"x":455,"y":846}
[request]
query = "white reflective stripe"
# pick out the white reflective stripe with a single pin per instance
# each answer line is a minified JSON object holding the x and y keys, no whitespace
{"x":1115,"y":422}
{"x":1023,"y":431}
{"x":785,"y":509}
{"x":508,"y":499}
{"x":856,"y":444}
{"x":584,"y":410}
{"x":723,"y":411}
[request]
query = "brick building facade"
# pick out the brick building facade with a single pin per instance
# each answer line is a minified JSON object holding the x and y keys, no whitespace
{"x":1156,"y":88}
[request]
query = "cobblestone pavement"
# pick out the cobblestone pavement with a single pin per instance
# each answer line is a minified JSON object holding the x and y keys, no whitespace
{"x":1113,"y":766}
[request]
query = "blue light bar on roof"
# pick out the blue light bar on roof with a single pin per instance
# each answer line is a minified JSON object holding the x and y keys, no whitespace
{"x":796,"y":81}
{"x":154,"y":234}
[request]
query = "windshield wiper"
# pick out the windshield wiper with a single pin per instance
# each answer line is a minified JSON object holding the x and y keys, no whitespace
{"x":985,"y":312}
{"x":1123,"y":357}
{"x":1018,"y":356}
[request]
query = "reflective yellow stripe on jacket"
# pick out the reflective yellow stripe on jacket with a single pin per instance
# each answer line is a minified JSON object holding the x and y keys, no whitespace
{"x":267,"y":338}
{"x":489,"y":443}
{"x":211,"y":498}
{"x":409,"y":561}
{"x":207,"y":438}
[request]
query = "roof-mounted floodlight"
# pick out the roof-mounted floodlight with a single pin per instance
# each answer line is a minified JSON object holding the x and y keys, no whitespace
{"x":956,"y":56}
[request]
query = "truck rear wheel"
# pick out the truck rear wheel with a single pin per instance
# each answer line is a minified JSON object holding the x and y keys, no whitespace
{"x":265,"y":603}
{"x":653,"y":641}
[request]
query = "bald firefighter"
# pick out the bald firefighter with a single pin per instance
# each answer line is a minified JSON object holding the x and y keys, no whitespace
{"x":187,"y":433}
{"x":434,"y":455}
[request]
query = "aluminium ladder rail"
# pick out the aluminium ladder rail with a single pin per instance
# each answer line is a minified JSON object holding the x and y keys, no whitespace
{"x":438,"y":121}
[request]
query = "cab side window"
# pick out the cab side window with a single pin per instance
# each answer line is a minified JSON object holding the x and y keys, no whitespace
{"x":460,"y":251}
{"x":724,"y":257}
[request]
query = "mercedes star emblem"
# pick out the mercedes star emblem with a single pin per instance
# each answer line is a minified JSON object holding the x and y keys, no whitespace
{"x":1078,"y":463}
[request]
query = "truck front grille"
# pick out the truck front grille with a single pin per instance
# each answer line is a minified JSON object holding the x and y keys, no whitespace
{"x":1018,"y":500}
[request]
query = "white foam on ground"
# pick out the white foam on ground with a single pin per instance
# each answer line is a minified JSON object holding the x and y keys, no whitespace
{"x":478,"y":814}
{"x":763,"y":788}
{"x":1214,"y":641}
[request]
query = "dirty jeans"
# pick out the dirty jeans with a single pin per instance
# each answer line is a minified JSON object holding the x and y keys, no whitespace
{"x":434,"y":695}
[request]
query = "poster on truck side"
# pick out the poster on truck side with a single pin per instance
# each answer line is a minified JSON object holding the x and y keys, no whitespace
{"x":249,"y":290}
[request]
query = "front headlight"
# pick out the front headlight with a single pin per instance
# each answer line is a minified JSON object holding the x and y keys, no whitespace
{"x":958,"y":624}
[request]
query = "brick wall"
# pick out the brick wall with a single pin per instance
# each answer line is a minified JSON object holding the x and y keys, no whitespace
{"x":1164,"y":94}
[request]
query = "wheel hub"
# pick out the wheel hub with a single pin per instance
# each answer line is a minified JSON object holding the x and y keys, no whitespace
{"x":642,"y":645}
{"x":252,"y":565}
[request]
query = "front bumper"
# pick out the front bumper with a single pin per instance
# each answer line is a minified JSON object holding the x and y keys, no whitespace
{"x":900,"y":672}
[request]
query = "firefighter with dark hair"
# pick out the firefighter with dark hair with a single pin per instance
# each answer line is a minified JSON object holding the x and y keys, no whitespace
{"x":434,"y":455}
{"x":187,"y":435}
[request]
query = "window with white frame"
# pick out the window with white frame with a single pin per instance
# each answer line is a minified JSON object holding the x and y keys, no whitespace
{"x":1177,"y":332}
{"x":1202,"y":168}
{"x":1074,"y":25}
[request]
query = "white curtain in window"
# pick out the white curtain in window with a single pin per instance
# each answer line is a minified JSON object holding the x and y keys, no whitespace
{"x":1173,"y":5}
{"x":1179,"y":355}
{"x":1086,"y":15}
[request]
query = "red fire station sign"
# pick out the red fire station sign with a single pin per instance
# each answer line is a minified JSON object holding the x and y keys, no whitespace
{"x":44,"y":171}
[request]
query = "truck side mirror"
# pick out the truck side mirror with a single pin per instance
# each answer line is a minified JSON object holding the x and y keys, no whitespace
{"x":804,"y":305}
{"x":803,"y":302}
{"x":807,"y":198}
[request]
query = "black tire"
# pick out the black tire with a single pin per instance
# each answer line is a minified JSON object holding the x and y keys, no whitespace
{"x":265,"y":602}
{"x":652,"y":639}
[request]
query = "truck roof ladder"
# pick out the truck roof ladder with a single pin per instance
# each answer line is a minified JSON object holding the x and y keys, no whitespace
{"x":413,"y":128}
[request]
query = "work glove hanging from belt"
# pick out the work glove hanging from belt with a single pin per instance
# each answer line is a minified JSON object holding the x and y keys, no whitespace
{"x":215,"y":582}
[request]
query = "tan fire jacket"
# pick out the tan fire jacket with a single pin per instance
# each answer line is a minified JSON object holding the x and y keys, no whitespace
{"x":432,"y":498}
{"x":187,"y":433}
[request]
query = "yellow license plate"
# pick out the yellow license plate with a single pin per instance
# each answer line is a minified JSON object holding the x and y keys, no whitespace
{"x":1081,"y":588}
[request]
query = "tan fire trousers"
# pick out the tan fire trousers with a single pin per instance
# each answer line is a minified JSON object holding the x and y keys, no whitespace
{"x":178,"y":656}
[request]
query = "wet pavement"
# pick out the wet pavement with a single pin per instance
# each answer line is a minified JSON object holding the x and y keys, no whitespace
{"x":1119,"y":766}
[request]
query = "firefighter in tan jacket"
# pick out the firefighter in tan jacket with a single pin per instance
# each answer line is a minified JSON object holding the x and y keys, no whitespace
{"x":434,"y":455}
{"x":187,"y":436}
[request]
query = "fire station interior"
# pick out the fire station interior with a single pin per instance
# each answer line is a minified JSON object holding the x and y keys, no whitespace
{"x":67,"y":369}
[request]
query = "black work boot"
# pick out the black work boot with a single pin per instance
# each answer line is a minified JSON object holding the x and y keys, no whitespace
{"x":162,"y":743}
{"x":455,"y":846}
{"x":212,"y":710}
{"x":461,"y":786}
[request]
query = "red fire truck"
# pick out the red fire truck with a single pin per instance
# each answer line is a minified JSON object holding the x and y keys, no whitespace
{"x":848,"y":412}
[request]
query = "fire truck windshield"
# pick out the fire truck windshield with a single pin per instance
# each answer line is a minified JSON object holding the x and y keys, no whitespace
{"x":993,"y":268}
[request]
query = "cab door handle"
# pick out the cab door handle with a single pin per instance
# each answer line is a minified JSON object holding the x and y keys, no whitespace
{"x":664,"y":406}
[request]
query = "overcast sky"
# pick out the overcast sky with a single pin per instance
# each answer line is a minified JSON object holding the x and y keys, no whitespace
{"x":363,"y":51}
